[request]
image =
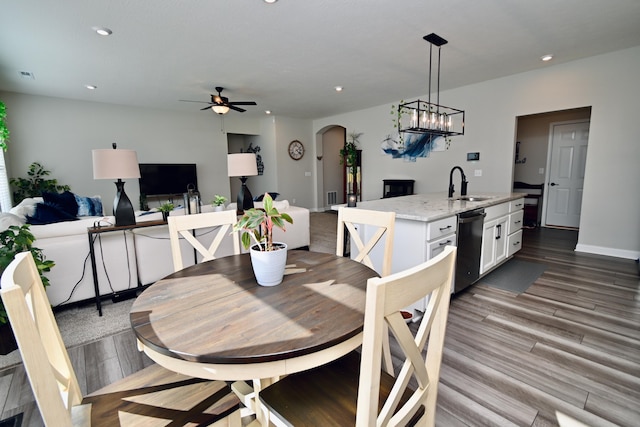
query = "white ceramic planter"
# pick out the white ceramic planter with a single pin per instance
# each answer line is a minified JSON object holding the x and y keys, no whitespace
{"x":218,"y":208}
{"x":268,"y":267}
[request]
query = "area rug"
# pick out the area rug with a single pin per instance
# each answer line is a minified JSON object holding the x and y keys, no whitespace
{"x":82,"y":325}
{"x":514,"y":275}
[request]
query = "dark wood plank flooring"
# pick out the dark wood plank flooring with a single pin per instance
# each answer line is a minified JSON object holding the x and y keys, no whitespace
{"x":571,"y":342}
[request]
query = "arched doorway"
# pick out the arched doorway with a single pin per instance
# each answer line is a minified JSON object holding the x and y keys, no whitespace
{"x":329,"y":142}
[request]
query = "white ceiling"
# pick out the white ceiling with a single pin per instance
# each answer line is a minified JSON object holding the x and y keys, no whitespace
{"x":289,"y":56}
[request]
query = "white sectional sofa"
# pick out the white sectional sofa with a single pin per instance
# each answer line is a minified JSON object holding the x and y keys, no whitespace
{"x":125,"y":259}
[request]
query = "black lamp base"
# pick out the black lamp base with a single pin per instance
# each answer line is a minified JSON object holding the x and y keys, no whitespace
{"x":245,"y":199}
{"x":122,"y":207}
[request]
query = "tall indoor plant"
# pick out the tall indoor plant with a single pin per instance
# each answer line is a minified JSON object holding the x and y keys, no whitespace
{"x":4,"y":130}
{"x":349,"y":156}
{"x":268,"y":258}
{"x":14,"y":240}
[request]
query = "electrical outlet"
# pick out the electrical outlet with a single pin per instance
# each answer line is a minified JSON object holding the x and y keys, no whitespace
{"x":307,"y":174}
{"x":477,"y":172}
{"x":293,"y":201}
{"x":541,"y":171}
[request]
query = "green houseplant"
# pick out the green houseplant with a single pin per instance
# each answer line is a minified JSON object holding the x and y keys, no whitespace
{"x":4,"y":130}
{"x":268,"y":258}
{"x":349,"y":155}
{"x":35,"y":184}
{"x":14,"y":240}
{"x":165,"y":208}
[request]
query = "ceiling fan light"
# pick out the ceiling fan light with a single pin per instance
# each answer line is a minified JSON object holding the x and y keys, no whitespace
{"x":220,"y":109}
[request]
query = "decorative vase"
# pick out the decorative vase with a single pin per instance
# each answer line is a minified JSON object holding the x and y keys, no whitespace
{"x":268,"y":266}
{"x":218,"y":208}
{"x":165,"y":215}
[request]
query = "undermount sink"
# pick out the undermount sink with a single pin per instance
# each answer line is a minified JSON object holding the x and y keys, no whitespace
{"x":472,"y":198}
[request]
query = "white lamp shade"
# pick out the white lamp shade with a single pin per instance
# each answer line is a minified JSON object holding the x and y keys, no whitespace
{"x":242,"y":164}
{"x":115,"y":164}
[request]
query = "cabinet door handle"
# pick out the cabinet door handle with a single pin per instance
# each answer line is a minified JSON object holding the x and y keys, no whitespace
{"x":499,"y":227}
{"x":444,"y":243}
{"x":516,"y":243}
{"x":517,"y":222}
{"x":445,"y":228}
{"x":518,"y":205}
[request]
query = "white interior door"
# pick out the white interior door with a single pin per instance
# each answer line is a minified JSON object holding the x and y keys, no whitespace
{"x":566,"y":174}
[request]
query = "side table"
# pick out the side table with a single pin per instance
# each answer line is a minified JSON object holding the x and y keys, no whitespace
{"x":92,"y":231}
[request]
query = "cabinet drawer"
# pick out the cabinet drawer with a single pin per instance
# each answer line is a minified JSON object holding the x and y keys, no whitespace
{"x":496,"y":211}
{"x":515,"y":221}
{"x":516,"y":205}
{"x":514,"y":243}
{"x":437,"y":246}
{"x":442,"y":227}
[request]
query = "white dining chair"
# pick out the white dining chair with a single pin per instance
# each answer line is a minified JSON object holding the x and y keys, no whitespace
{"x":183,"y":227}
{"x":383,"y":224}
{"x":354,"y":390}
{"x":153,"y":396}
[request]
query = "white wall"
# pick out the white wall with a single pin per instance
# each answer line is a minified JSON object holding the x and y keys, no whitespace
{"x":296,"y":178}
{"x":608,"y":83}
{"x":61,"y":133}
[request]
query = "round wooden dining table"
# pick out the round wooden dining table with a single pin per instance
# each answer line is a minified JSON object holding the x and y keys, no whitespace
{"x":212,"y":320}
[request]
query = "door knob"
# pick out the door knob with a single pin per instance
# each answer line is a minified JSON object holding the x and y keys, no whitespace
{"x":553,"y":184}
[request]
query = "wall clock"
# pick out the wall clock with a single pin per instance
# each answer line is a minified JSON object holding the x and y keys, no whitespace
{"x":296,"y":150}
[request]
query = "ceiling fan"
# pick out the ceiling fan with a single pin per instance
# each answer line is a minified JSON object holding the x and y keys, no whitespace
{"x":221,"y":105}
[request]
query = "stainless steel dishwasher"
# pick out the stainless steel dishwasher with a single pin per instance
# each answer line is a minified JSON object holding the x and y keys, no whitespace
{"x":470,"y":225}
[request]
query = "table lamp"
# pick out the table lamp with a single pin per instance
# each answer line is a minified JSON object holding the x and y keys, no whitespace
{"x":117,"y":164}
{"x":243,"y":165}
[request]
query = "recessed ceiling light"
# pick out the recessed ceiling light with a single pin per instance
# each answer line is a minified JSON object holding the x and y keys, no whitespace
{"x":267,"y":112}
{"x":339,"y":88}
{"x":270,"y":1}
{"x":103,"y":31}
{"x":546,"y":58}
{"x":91,"y":87}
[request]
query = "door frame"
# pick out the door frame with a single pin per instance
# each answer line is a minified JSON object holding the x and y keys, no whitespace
{"x":545,"y":193}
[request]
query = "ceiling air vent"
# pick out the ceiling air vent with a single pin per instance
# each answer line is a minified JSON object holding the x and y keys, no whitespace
{"x":27,"y":75}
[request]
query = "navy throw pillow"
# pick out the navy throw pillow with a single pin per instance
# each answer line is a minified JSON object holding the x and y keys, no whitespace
{"x":65,"y":201}
{"x":48,"y":214}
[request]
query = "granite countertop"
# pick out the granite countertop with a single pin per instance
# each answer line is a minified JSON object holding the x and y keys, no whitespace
{"x":434,"y":206}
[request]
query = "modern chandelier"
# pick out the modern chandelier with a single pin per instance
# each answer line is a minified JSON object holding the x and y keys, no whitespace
{"x":426,"y":117}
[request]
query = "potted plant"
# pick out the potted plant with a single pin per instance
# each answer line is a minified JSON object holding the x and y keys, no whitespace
{"x":35,"y":184}
{"x":268,"y":258}
{"x":4,"y":130}
{"x":218,"y":202}
{"x":14,"y":240}
{"x":349,"y":156}
{"x":165,"y":208}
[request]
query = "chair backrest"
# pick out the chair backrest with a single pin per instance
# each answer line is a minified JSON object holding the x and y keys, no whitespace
{"x":349,"y":218}
{"x":386,"y":296}
{"x":183,"y":226}
{"x":44,"y":355}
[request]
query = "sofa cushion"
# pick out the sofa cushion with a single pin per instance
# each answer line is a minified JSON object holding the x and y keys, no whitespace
{"x":26,"y":208}
{"x":64,"y":201}
{"x":89,"y":206}
{"x":48,"y":213}
{"x":8,"y":219}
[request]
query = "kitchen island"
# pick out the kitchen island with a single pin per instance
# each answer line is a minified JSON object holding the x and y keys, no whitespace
{"x":426,"y":223}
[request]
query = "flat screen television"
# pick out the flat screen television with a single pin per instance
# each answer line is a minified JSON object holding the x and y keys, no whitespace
{"x":158,"y":179}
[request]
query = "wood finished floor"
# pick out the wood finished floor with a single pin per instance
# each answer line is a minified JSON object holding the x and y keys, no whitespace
{"x":570,"y":343}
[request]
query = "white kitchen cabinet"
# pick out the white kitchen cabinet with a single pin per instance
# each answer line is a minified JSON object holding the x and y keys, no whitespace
{"x":502,"y":233}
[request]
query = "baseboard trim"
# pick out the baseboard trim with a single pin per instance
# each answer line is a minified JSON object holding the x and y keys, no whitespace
{"x":602,"y":250}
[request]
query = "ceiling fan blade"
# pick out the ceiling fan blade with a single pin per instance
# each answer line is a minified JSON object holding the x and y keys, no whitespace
{"x":242,"y":103}
{"x":188,"y":100}
{"x":206,"y":108}
{"x":233,"y":107}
